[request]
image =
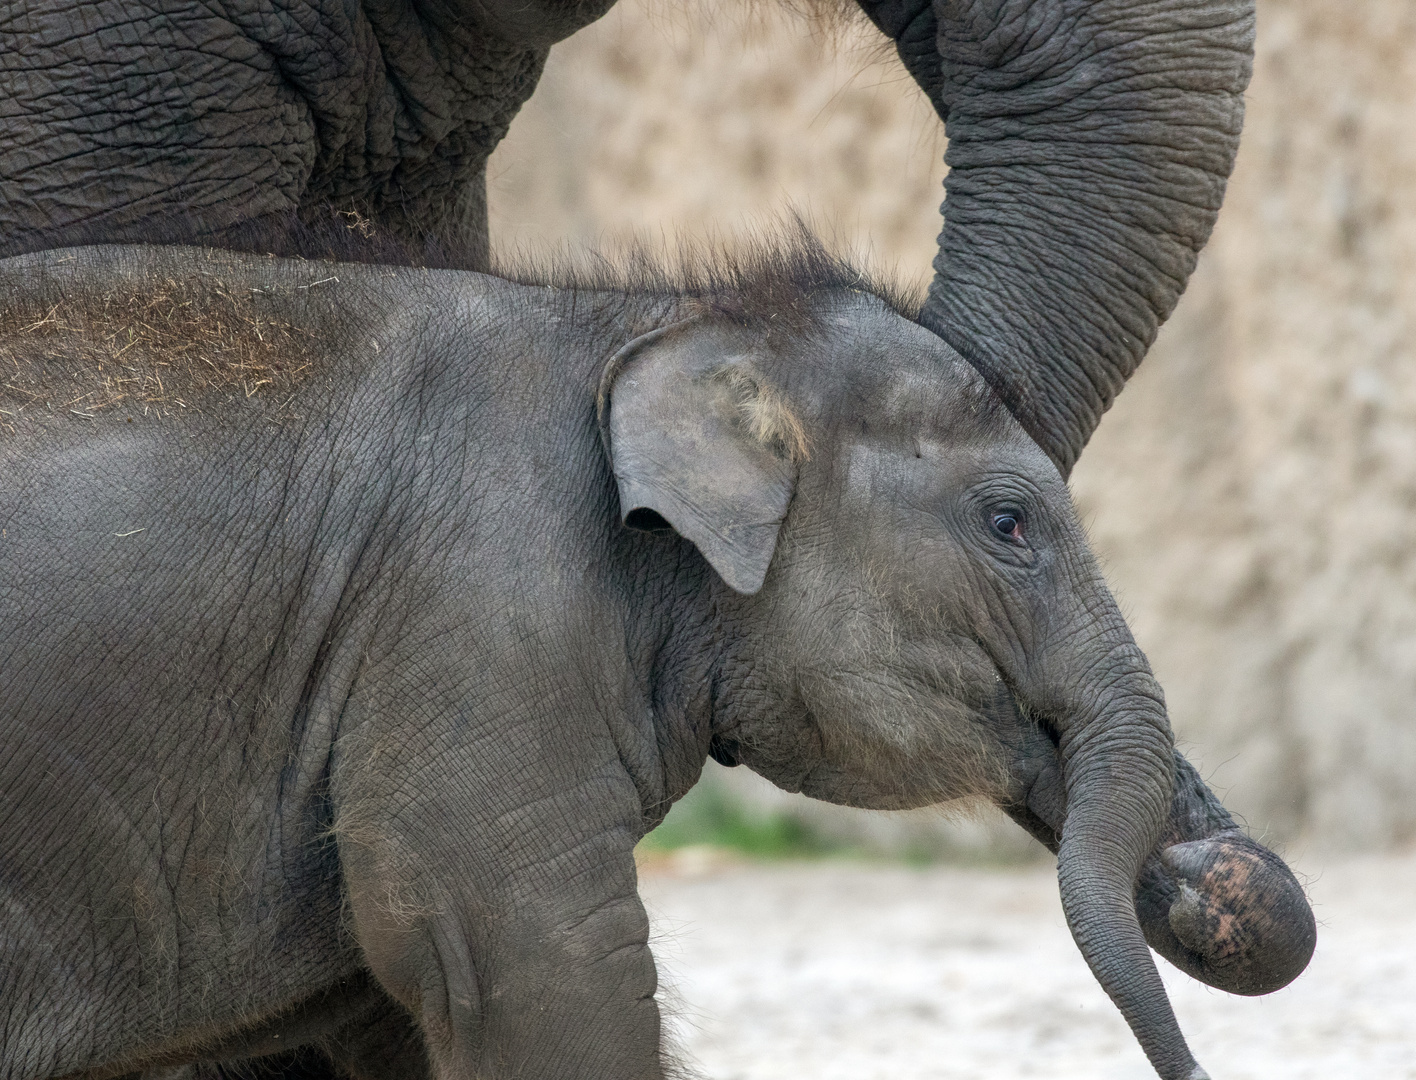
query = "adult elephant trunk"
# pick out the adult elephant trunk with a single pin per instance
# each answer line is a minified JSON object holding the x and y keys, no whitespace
{"x":1089,"y":146}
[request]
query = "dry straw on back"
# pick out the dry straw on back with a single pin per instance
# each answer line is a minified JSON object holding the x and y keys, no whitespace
{"x":162,"y":345}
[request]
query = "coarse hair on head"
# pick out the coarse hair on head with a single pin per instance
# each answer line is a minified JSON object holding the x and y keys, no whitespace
{"x":777,"y":281}
{"x":771,"y":279}
{"x":768,"y":277}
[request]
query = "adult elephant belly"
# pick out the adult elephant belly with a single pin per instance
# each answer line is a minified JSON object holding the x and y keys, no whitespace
{"x":235,"y":123}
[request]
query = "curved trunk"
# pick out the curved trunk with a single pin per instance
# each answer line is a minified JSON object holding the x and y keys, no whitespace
{"x":1089,"y":146}
{"x":1144,"y":848}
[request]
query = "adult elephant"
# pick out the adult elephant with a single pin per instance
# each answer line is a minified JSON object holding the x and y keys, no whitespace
{"x":1089,"y":145}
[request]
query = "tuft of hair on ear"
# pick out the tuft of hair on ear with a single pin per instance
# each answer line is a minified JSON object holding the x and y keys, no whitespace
{"x":764,"y":412}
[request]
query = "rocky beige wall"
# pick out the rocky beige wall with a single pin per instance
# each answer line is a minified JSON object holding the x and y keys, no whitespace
{"x":1254,"y":490}
{"x":703,"y":119}
{"x":1253,"y":493}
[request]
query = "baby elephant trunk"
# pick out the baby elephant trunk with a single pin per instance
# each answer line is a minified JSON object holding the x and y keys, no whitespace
{"x":1144,"y":852}
{"x":1116,"y":752}
{"x":1219,"y":906}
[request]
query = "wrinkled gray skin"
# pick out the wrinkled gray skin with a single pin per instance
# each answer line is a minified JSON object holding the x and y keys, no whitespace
{"x":1089,"y":142}
{"x":330,"y":732}
{"x":1089,"y":145}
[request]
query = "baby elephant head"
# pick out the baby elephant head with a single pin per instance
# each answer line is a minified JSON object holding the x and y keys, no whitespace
{"x":907,"y":613}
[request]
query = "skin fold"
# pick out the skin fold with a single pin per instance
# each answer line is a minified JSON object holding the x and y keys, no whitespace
{"x":1089,"y":146}
{"x":334,"y":710}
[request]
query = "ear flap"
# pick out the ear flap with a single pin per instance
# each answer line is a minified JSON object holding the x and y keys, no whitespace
{"x":699,"y":438}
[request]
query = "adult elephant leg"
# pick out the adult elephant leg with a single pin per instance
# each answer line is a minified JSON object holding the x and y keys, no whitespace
{"x":385,"y":1045}
{"x":470,"y":220}
{"x":230,"y":123}
{"x":1089,"y":146}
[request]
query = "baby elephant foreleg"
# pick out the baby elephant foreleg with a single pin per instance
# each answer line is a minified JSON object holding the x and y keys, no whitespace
{"x":508,"y":923}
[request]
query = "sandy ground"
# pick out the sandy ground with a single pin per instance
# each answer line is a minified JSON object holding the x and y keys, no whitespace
{"x":843,"y":971}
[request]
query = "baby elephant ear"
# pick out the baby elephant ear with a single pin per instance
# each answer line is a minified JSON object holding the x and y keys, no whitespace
{"x":700,"y":442}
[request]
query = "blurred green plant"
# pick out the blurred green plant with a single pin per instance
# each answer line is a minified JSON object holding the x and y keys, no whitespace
{"x":710,"y":816}
{"x":717,"y":815}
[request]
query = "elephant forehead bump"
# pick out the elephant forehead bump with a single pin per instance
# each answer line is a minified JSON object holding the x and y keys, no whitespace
{"x":952,"y":390}
{"x":905,"y":381}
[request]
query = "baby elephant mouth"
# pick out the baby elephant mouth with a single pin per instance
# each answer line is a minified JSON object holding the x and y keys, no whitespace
{"x":1227,"y":911}
{"x":1218,"y":905}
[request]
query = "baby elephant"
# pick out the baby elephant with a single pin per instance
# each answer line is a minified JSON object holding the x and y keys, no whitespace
{"x":357,"y":621}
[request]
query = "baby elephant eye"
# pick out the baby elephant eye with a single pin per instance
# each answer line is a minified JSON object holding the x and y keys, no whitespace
{"x":1007,"y":525}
